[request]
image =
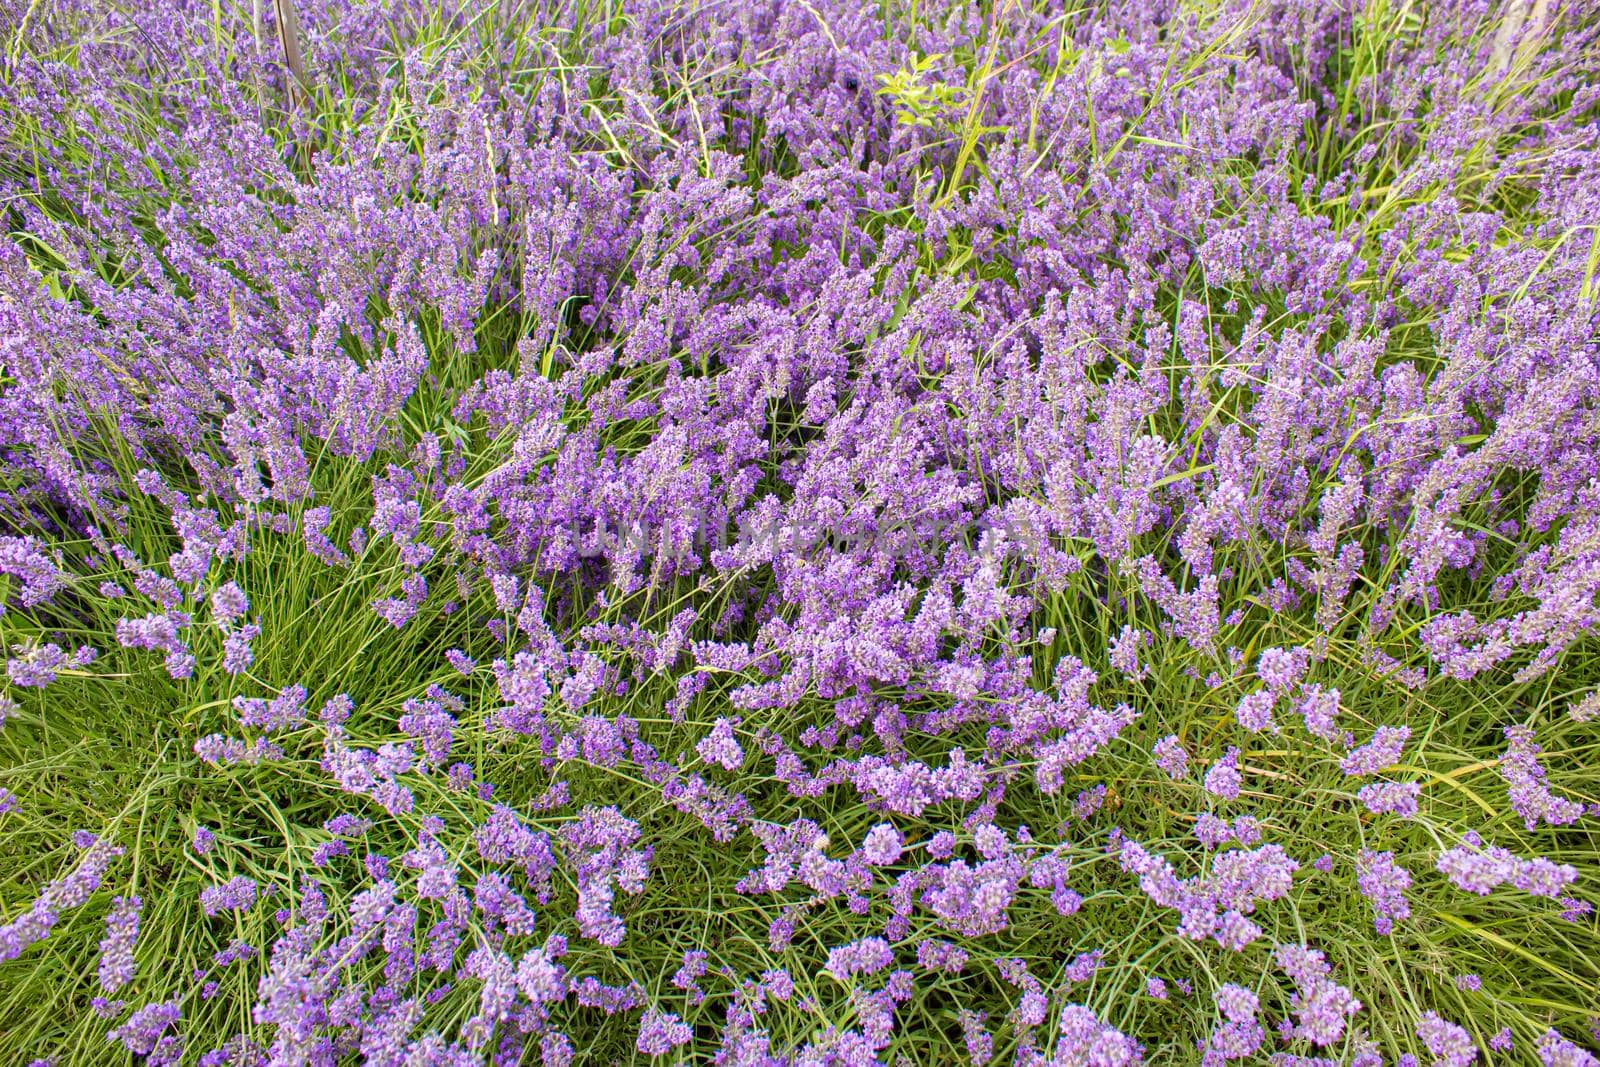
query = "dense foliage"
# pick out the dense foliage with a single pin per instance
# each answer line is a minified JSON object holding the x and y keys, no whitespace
{"x":812,"y":532}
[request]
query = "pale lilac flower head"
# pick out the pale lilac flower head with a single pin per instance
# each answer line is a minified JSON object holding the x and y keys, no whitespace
{"x":1254,"y":712}
{"x":721,"y":747}
{"x":1384,"y":883}
{"x":660,"y":1032}
{"x":1381,"y":752}
{"x":1320,"y":708}
{"x":1558,"y":1051}
{"x":1124,"y":652}
{"x":228,"y":604}
{"x":866,"y":956}
{"x":1223,"y":779}
{"x":1450,"y":1045}
{"x":1085,"y":1041}
{"x":1236,"y":1003}
{"x":1391,"y":798}
{"x":1171,"y":757}
{"x":142,"y":1031}
{"x":236,"y":894}
{"x":1525,"y":778}
{"x":117,"y":964}
{"x":882,"y":845}
{"x":1280,"y":668}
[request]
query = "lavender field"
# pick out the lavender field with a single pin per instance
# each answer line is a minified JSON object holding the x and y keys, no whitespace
{"x":800,"y":532}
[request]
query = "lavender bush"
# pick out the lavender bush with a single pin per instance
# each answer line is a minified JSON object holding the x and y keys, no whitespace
{"x":804,"y":532}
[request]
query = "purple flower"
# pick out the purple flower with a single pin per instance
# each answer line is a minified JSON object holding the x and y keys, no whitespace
{"x":990,"y":841}
{"x":1391,"y":798}
{"x":35,"y":571}
{"x":556,"y":1050}
{"x":1320,"y":708}
{"x":228,"y":604}
{"x":540,"y":979}
{"x":721,"y":747}
{"x":1236,"y":1003}
{"x":142,"y":1031}
{"x":1382,"y":751}
{"x":882,"y":845}
{"x":285,"y":711}
{"x":1530,"y":796}
{"x":979,"y":1042}
{"x":1032,"y":1009}
{"x":1239,"y":1034}
{"x":1124,"y":653}
{"x":1384,"y":883}
{"x":1281,"y":668}
{"x":1082,"y":967}
{"x":1171,"y":757}
{"x":62,"y":894}
{"x":866,"y":956}
{"x":236,"y":894}
{"x":1214,"y":905}
{"x":1557,"y":1051}
{"x":934,"y":954}
{"x":1322,"y":1006}
{"x":1450,"y":1045}
{"x":660,"y":1032}
{"x":116,"y":948}
{"x":1481,"y":870}
{"x":687,"y":977}
{"x":1085,"y":1041}
{"x":941,"y":845}
{"x":1223,"y":779}
{"x":1254,"y":712}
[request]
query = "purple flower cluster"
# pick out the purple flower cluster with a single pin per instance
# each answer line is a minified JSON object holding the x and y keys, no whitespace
{"x":1481,"y":869}
{"x":117,"y":964}
{"x":867,"y":956}
{"x":1171,"y":757}
{"x":1449,"y":1044}
{"x":1214,"y":905}
{"x":142,"y":1033}
{"x":1530,"y":797}
{"x":768,"y":491}
{"x":236,"y":894}
{"x":1382,"y":751}
{"x":599,"y":848}
{"x":660,"y":1032}
{"x":1239,"y":1034}
{"x":70,"y":891}
{"x":1085,"y":1041}
{"x":1322,"y":1006}
{"x":1391,"y":798}
{"x":1384,"y":883}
